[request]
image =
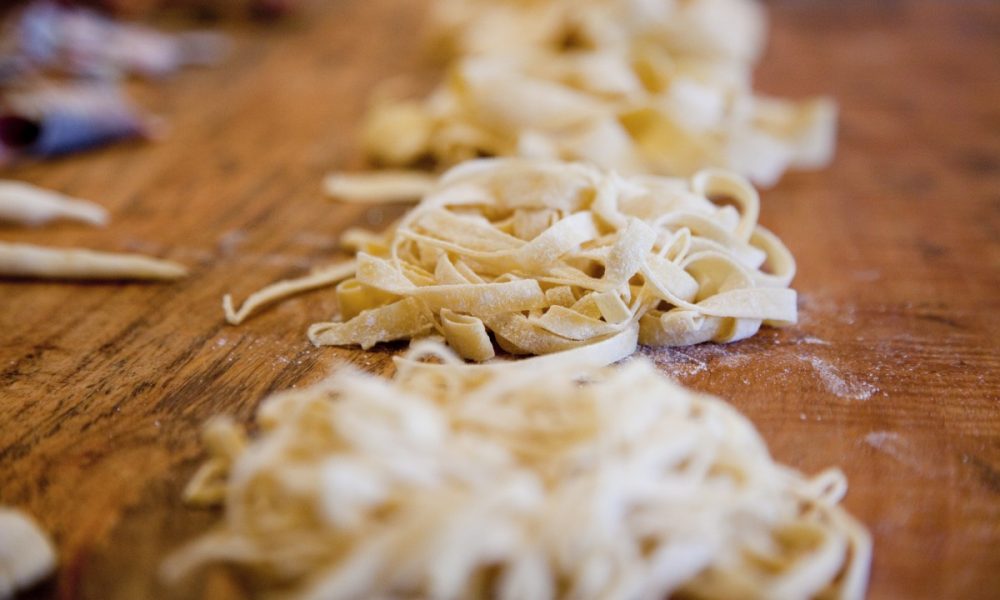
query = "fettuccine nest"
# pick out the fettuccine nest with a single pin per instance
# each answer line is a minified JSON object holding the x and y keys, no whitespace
{"x":541,"y":257}
{"x":481,"y":482}
{"x":638,"y":86}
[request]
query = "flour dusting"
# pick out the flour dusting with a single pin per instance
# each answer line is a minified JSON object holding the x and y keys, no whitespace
{"x":899,"y":448}
{"x":229,"y":243}
{"x":692,"y":360}
{"x":843,"y":386}
{"x":319,"y":241}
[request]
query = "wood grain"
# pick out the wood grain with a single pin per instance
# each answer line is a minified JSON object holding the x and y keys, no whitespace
{"x":892,"y":372}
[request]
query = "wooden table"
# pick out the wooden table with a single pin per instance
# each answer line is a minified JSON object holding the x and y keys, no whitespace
{"x":892,"y":372}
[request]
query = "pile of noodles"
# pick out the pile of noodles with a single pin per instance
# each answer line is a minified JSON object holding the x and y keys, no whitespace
{"x":527,"y":481}
{"x":640,"y":86}
{"x":538,"y":257}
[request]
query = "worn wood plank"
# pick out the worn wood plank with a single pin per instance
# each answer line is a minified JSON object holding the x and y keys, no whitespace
{"x":892,"y":372}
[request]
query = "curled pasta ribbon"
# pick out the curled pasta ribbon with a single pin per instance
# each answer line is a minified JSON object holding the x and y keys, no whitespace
{"x":555,"y":480}
{"x":544,"y":256}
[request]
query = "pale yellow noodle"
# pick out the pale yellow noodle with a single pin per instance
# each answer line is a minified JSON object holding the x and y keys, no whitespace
{"x":544,"y":256}
{"x":638,"y":86}
{"x":26,"y":552}
{"x":39,"y":262}
{"x":546,"y":478}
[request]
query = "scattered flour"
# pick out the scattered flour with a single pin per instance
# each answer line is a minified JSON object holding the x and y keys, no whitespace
{"x":692,"y":360}
{"x":867,"y":275}
{"x":181,"y":253}
{"x":839,"y":384}
{"x":226,"y":247}
{"x":374,"y":216}
{"x":683,"y":363}
{"x":900,"y":449}
{"x":230,"y":242}
{"x":278,"y":260}
{"x":319,"y":241}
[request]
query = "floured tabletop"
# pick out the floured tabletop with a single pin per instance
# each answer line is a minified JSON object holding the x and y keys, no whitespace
{"x":893,"y":371}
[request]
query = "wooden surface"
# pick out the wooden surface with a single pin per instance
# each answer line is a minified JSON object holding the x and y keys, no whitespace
{"x":892,"y":372}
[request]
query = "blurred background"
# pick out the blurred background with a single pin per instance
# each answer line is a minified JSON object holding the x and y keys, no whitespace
{"x":66,"y":67}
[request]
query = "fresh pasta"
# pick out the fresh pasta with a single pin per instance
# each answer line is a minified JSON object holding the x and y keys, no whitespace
{"x":380,"y":187}
{"x":640,"y":87}
{"x":728,"y":32}
{"x":26,"y":554}
{"x":557,"y":480}
{"x":539,"y":257}
{"x":30,"y":205}
{"x":39,"y":262}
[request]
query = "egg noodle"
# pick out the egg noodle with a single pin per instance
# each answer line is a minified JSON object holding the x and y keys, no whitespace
{"x":639,"y":86}
{"x":564,"y":481}
{"x":26,"y":553}
{"x":723,"y":32}
{"x":543,"y":257}
{"x":31,"y":205}
{"x":41,"y":262}
{"x":27,"y":204}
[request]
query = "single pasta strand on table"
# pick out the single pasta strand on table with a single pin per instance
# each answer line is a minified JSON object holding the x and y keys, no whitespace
{"x":30,"y":205}
{"x":38,"y":262}
{"x":544,"y":256}
{"x":557,"y":480}
{"x":379,"y":187}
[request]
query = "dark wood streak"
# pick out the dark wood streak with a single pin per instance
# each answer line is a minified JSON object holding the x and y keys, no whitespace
{"x":989,"y":474}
